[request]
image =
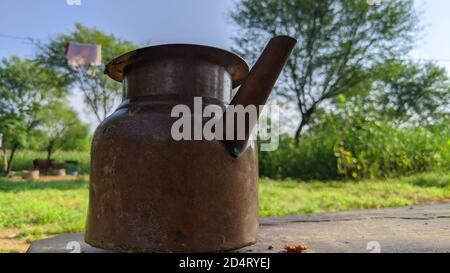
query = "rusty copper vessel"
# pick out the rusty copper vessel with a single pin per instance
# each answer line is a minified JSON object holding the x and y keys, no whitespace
{"x":151,"y":193}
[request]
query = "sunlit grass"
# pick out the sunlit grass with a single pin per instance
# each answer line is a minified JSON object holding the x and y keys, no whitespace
{"x":294,"y":197}
{"x":41,"y":209}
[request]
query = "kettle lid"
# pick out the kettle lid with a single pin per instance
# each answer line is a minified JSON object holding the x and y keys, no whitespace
{"x":233,"y":63}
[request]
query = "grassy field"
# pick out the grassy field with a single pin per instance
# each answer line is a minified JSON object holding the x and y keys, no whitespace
{"x":30,"y":211}
{"x":294,"y":197}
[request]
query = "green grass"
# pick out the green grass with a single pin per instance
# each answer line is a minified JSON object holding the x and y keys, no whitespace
{"x":293,"y":197}
{"x":40,"y":209}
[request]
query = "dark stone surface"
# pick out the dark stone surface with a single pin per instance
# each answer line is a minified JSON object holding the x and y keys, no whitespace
{"x":407,"y":229}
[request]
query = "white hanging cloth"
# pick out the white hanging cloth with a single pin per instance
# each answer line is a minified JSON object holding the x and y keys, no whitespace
{"x":83,"y":54}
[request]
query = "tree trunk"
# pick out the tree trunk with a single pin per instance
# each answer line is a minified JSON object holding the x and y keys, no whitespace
{"x":305,"y":119}
{"x":11,"y":158}
{"x":298,"y":132}
{"x":49,"y":152}
{"x":5,"y":160}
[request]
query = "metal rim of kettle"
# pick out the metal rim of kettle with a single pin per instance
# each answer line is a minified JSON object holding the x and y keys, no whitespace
{"x":233,"y":63}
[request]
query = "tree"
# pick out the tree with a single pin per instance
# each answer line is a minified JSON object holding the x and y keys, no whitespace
{"x":100,"y":92}
{"x":412,"y":92}
{"x":60,"y":127}
{"x":340,"y":41}
{"x":25,"y":89}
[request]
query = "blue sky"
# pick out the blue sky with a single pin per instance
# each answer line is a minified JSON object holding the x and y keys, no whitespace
{"x":141,"y":21}
{"x":169,"y":21}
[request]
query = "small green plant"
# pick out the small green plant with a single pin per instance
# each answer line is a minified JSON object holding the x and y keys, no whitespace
{"x":347,"y":165}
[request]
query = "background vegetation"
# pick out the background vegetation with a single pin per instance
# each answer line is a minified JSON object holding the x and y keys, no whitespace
{"x":364,"y":126}
{"x":356,"y":146}
{"x":24,"y":158}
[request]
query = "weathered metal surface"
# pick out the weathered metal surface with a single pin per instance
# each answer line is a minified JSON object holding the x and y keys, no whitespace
{"x":149,"y":192}
{"x":235,"y":65}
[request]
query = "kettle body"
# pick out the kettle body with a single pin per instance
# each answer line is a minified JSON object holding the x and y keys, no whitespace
{"x":151,"y":192}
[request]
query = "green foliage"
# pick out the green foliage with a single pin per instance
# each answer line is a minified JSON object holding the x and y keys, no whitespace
{"x":24,"y":158}
{"x":357,"y":145}
{"x":340,"y":42}
{"x":78,"y":139}
{"x":61,"y":128}
{"x":52,"y":54}
{"x":312,"y":158}
{"x":100,"y":92}
{"x":25,"y":89}
{"x":413,"y":92}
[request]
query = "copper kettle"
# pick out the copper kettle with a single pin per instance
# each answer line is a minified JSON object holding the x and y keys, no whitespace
{"x":149,"y":192}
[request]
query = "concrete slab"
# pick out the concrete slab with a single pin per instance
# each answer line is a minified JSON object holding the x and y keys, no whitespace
{"x":406,"y":229}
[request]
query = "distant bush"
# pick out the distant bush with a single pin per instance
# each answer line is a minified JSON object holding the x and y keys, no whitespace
{"x":24,"y":159}
{"x":352,"y":149}
{"x":332,"y":149}
{"x":312,"y":159}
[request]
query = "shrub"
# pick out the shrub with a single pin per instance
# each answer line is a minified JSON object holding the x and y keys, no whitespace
{"x":350,"y":149}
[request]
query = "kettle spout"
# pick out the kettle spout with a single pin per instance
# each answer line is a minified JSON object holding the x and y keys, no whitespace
{"x":255,"y":92}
